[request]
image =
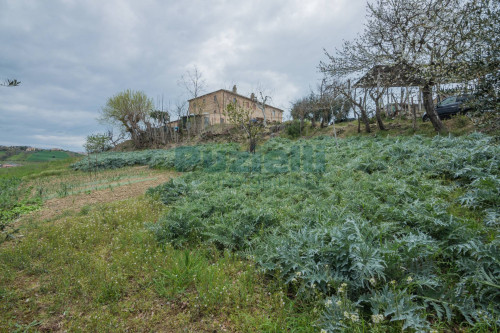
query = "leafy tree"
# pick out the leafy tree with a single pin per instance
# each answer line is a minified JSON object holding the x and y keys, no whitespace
{"x":97,"y":143}
{"x":131,"y":111}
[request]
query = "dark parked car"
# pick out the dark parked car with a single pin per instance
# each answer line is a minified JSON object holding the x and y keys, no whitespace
{"x":450,"y":106}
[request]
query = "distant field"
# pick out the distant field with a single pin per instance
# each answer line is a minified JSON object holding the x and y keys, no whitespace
{"x":44,"y":156}
{"x":17,"y":157}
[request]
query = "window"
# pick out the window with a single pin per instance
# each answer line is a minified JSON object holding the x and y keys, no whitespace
{"x":222,"y":120}
{"x":215,"y":111}
{"x":234,"y":100}
{"x":448,"y":101}
{"x":215,"y":98}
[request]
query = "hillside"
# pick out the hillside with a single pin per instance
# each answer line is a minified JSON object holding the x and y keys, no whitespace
{"x":20,"y":154}
{"x":378,"y":234}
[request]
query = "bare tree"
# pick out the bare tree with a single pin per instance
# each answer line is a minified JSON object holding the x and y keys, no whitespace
{"x":261,"y":103}
{"x":376,"y":94}
{"x":243,"y":117}
{"x":114,"y":139}
{"x":194,"y":84}
{"x":421,"y":38}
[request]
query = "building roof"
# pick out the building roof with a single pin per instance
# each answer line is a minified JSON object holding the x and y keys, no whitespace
{"x":232,"y":93}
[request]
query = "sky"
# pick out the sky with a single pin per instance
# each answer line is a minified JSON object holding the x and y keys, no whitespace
{"x":72,"y":56}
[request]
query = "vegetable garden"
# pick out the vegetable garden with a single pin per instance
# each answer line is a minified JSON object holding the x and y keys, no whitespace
{"x":378,"y":233}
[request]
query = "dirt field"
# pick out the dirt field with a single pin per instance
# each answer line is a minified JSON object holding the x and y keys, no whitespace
{"x":109,"y":190}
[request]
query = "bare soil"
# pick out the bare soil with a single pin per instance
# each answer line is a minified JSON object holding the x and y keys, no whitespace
{"x":76,"y":202}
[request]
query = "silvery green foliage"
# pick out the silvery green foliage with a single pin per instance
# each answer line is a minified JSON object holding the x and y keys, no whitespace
{"x":408,"y":225}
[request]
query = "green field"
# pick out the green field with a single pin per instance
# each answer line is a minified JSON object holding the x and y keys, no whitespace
{"x":34,"y":156}
{"x":384,"y":234}
{"x":44,"y":156}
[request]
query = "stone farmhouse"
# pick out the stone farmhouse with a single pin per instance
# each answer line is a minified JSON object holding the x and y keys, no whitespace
{"x":211,"y":107}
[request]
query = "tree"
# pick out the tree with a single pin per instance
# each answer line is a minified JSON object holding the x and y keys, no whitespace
{"x":322,"y":106}
{"x":483,"y":61}
{"x":243,"y":117}
{"x":194,"y":84}
{"x":97,"y":143}
{"x":421,"y":38}
{"x":261,"y":103}
{"x":300,"y":109}
{"x":130,"y":110}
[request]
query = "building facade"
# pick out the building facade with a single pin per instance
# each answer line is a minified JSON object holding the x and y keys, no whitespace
{"x":211,"y":107}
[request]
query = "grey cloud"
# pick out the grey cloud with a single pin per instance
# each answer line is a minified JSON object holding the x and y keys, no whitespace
{"x":72,"y":55}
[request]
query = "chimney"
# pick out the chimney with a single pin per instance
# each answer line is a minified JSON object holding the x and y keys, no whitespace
{"x":235,"y":90}
{"x":252,"y":97}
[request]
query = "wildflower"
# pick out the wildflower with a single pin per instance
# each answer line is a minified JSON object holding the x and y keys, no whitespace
{"x":409,"y":279}
{"x":373,"y":281}
{"x":354,"y":317}
{"x":298,"y":273}
{"x":328,"y":302}
{"x":434,"y":331}
{"x":378,"y":318}
{"x":393,"y":282}
{"x":347,"y":315}
{"x":338,"y":303}
{"x":323,"y":331}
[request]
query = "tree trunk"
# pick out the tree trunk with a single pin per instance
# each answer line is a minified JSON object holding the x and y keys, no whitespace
{"x":429,"y":108}
{"x":379,"y":117}
{"x":366,"y":121}
{"x":253,"y":145}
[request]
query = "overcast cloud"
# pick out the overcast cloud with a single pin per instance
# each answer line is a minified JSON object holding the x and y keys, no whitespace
{"x":72,"y":55}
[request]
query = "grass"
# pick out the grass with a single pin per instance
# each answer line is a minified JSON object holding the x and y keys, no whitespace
{"x":458,"y":125}
{"x":39,"y":169}
{"x":100,"y":270}
{"x":250,"y":252}
{"x":45,"y":156}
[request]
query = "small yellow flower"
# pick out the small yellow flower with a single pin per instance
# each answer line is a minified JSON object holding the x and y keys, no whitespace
{"x":338,"y":303}
{"x":409,"y":279}
{"x":373,"y":281}
{"x":328,"y":302}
